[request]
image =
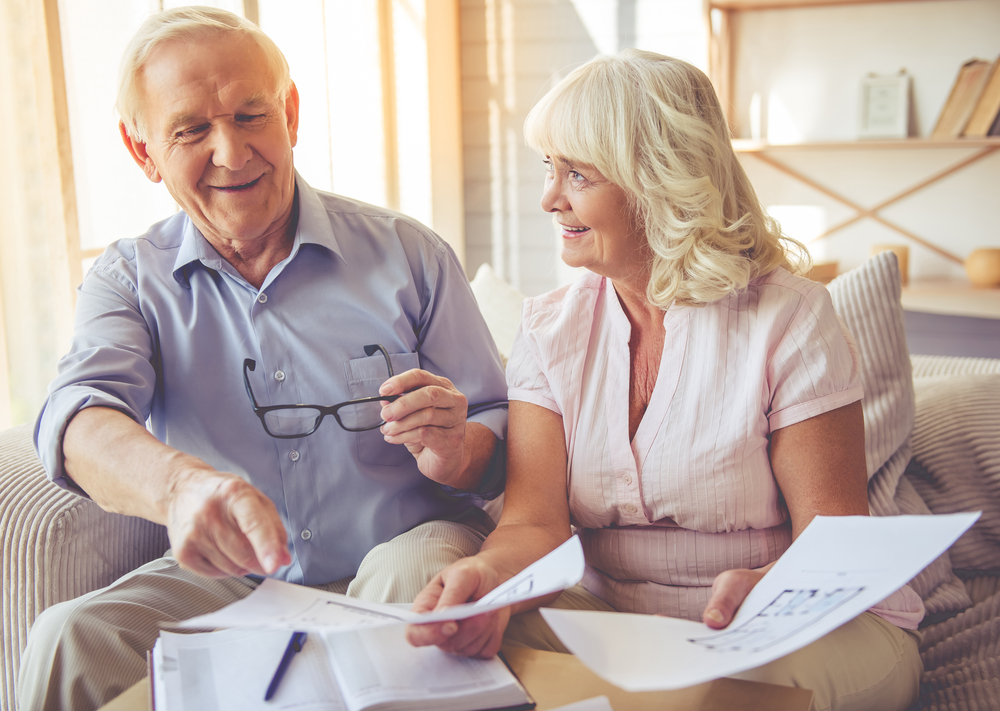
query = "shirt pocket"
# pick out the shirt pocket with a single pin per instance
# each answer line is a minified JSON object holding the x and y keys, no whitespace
{"x":364,"y":377}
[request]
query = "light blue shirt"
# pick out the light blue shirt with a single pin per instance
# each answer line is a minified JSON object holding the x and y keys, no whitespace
{"x":163,"y":325}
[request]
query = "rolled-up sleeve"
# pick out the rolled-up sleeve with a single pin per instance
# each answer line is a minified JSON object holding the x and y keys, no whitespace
{"x":815,"y":367}
{"x":109,"y":363}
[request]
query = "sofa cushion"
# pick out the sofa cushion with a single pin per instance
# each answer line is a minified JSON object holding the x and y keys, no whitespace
{"x":500,"y":304}
{"x":956,"y":460}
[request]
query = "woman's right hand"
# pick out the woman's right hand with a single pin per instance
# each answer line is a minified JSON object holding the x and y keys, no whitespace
{"x":463,"y":581}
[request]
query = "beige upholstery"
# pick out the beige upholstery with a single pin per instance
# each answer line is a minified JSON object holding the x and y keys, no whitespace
{"x":56,"y":546}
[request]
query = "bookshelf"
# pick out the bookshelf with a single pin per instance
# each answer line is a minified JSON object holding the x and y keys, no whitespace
{"x":985,"y":146}
{"x":719,"y":16}
{"x":954,"y":297}
{"x":725,"y":25}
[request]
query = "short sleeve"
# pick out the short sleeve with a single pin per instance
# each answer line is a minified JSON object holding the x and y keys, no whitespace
{"x":814,"y":366}
{"x":526,"y":377}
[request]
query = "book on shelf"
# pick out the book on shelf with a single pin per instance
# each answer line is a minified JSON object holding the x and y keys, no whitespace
{"x":987,"y":109}
{"x":369,"y":669}
{"x":962,"y":99}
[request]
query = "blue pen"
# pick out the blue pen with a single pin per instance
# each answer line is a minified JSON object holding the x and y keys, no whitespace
{"x":295,"y":645}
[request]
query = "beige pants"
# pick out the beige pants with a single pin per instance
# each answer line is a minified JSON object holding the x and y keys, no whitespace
{"x":84,"y":652}
{"x":866,"y":664}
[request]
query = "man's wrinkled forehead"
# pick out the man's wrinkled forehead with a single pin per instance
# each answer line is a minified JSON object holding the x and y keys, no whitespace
{"x":180,"y":78}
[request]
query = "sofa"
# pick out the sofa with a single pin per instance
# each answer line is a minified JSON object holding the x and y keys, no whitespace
{"x":932,"y":427}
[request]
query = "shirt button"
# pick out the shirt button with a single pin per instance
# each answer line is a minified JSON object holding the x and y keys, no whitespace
{"x":306,"y":534}
{"x":293,"y":455}
{"x":262,"y":298}
{"x":630,"y":508}
{"x":279,"y":375}
{"x":627,"y":479}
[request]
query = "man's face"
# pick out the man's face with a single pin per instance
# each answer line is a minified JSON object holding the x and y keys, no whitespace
{"x":220,"y":137}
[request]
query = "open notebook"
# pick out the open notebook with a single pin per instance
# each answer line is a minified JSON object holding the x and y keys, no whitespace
{"x":372,"y":669}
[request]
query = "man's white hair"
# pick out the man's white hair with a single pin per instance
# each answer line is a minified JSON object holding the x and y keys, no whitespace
{"x":186,"y":23}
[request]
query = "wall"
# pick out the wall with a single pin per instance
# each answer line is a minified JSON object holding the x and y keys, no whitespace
{"x":512,"y":52}
{"x":807,"y":65}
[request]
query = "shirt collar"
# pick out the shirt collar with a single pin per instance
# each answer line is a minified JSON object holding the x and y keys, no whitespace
{"x":313,"y":228}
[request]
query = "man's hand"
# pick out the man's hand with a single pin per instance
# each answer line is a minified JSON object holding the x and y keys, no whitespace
{"x":430,"y":420}
{"x":220,"y":526}
{"x":463,"y":581}
{"x":729,"y":590}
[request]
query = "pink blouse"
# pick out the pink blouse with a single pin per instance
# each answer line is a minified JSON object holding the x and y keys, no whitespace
{"x":693,"y":493}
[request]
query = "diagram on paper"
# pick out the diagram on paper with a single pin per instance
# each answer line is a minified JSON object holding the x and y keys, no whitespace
{"x":787,"y":614}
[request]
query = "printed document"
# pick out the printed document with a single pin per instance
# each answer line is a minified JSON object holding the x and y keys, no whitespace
{"x":279,"y":605}
{"x":835,"y":570}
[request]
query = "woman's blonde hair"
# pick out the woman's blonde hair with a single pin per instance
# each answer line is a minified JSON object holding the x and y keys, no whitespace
{"x":653,"y":126}
{"x":186,"y":23}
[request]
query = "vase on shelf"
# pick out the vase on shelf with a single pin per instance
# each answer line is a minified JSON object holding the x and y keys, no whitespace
{"x":983,"y":267}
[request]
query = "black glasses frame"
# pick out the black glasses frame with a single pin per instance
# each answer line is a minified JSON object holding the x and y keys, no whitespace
{"x":249,"y":365}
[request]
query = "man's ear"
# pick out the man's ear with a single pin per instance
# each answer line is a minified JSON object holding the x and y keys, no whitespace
{"x":292,"y":114}
{"x":139,"y":154}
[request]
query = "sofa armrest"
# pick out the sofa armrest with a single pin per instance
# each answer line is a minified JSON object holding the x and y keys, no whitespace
{"x":56,"y":546}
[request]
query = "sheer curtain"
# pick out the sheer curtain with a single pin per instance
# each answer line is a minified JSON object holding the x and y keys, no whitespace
{"x":35,"y":310}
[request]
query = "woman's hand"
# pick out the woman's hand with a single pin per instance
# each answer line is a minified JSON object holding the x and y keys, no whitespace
{"x":464,"y":581}
{"x":729,"y":589}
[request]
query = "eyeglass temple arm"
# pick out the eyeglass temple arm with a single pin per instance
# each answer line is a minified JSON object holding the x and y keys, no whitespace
{"x":370,"y":351}
{"x":251,"y":365}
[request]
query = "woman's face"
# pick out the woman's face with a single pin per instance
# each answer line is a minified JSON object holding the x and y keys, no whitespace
{"x":597,"y":228}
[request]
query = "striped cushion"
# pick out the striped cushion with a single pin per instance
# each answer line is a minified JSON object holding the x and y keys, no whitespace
{"x":957,"y":459}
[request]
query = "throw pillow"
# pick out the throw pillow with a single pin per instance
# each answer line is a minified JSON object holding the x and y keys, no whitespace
{"x":956,"y":460}
{"x":500,"y":304}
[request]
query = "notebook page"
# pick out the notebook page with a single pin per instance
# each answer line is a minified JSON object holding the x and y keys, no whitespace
{"x":230,"y":670}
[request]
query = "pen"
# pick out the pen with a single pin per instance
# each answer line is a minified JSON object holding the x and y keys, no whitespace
{"x":295,"y":645}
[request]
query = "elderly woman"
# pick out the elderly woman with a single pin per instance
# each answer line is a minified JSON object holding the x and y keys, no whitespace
{"x":688,"y":405}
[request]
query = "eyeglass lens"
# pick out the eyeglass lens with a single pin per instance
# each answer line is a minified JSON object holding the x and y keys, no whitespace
{"x":288,"y":422}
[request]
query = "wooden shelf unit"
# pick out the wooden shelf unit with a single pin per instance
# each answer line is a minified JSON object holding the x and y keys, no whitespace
{"x":720,"y":36}
{"x":719,"y":21}
{"x":954,"y":297}
{"x":761,"y":151}
{"x":746,"y":145}
{"x":786,"y":4}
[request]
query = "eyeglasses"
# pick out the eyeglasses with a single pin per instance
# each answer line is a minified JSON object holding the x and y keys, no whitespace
{"x":291,"y":421}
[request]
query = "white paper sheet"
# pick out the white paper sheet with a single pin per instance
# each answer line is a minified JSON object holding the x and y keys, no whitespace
{"x":279,"y":605}
{"x":838,"y":568}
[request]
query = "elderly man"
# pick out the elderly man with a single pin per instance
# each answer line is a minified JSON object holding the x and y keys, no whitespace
{"x":261,"y":294}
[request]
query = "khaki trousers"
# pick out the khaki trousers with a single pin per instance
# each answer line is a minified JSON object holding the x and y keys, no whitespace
{"x":84,"y":652}
{"x":866,"y":664}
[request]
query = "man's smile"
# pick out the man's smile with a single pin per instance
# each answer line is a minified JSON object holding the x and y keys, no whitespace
{"x":239,"y":187}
